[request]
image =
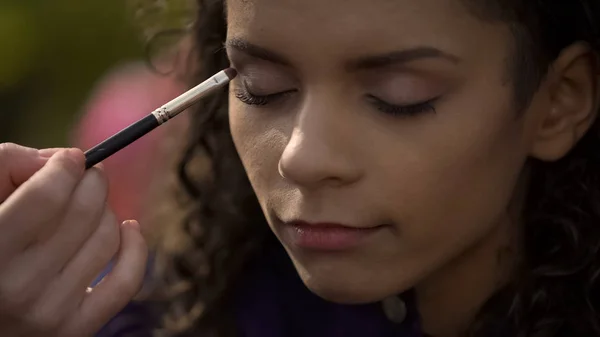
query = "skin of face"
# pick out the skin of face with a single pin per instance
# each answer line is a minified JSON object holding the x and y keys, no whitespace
{"x":440,"y":180}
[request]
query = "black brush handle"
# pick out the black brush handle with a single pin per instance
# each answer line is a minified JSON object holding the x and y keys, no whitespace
{"x":120,"y":140}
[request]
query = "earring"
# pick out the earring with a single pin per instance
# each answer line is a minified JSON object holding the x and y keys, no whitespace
{"x":394,"y":309}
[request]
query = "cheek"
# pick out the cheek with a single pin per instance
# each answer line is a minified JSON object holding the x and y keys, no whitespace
{"x":456,"y":181}
{"x":260,"y":141}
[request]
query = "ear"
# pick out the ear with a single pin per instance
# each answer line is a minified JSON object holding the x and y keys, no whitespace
{"x":574,"y":100}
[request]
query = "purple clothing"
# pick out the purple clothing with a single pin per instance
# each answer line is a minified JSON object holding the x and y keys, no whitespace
{"x":273,"y":302}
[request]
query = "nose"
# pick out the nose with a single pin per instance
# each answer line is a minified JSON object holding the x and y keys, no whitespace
{"x":319,"y":151}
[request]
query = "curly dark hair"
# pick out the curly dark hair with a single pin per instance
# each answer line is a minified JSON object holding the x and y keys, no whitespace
{"x":556,"y":289}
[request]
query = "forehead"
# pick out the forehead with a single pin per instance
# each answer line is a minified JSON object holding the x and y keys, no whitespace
{"x":336,"y":27}
{"x":347,"y":9}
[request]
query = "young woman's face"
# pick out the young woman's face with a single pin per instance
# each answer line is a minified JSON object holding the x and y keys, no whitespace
{"x":379,"y":135}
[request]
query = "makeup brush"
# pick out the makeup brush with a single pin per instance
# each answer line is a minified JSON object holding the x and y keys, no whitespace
{"x":158,"y":117}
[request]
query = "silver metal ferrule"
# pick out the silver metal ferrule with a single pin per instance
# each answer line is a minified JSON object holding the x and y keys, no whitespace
{"x":190,"y":97}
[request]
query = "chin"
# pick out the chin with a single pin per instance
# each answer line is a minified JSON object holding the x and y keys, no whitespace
{"x":346,"y":290}
{"x":351,"y":279}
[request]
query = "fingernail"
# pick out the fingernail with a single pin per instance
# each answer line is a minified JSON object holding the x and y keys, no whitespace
{"x":132,"y":223}
{"x":72,"y":160}
{"x":76,"y":153}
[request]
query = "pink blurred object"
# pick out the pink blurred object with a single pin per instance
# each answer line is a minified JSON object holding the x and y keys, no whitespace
{"x":124,"y":96}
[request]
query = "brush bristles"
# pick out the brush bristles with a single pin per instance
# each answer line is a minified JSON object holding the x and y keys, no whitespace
{"x":231,"y":73}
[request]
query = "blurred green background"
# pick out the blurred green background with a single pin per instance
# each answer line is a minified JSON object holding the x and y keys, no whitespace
{"x":54,"y":51}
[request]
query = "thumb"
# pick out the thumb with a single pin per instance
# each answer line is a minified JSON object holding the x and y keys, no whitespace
{"x":17,"y":164}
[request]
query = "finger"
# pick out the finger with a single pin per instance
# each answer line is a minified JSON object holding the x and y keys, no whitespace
{"x":93,"y":257}
{"x":39,"y":200}
{"x":66,"y":291}
{"x":17,"y":164}
{"x":27,"y":275}
{"x":117,"y":289}
{"x":85,"y":208}
{"x":47,"y":153}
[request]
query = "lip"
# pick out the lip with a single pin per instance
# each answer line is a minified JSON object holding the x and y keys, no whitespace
{"x":326,"y":236}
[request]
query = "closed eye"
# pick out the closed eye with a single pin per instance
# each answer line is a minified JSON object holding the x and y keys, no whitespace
{"x":405,"y":109}
{"x":246,"y":97}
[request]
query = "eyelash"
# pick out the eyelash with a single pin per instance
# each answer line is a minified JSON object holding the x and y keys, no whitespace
{"x":248,"y":98}
{"x":410,"y":109}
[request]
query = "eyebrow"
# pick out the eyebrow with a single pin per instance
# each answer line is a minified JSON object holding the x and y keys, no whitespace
{"x":401,"y":57}
{"x":256,"y":51}
{"x":363,"y":63}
